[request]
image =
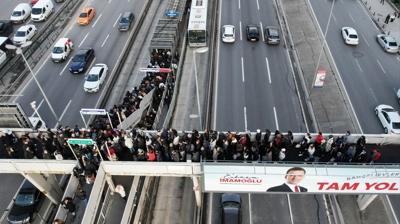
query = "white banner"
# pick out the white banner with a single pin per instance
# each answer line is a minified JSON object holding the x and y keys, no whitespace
{"x":93,"y":111}
{"x":301,"y":179}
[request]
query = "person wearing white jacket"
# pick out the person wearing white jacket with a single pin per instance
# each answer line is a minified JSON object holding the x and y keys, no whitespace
{"x":129,"y":142}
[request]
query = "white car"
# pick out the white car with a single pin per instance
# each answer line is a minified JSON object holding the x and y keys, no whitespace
{"x":389,"y":118}
{"x":24,"y":33}
{"x":95,"y":78}
{"x":21,"y":13}
{"x":388,"y":43}
{"x":228,"y":34}
{"x":350,"y":35}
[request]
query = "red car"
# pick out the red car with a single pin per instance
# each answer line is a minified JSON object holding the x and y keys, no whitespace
{"x":33,"y":2}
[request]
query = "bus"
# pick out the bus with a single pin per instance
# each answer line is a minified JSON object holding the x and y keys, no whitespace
{"x":197,"y":28}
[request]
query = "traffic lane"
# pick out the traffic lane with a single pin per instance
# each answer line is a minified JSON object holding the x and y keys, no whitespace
{"x":308,"y":209}
{"x":285,"y":98}
{"x":270,"y":209}
{"x":268,"y":13}
{"x":7,"y":191}
{"x":361,"y":89}
{"x":366,"y":68}
{"x":116,"y":42}
{"x":230,"y":89}
{"x":229,"y":96}
{"x":395,"y":201}
{"x":259,"y":96}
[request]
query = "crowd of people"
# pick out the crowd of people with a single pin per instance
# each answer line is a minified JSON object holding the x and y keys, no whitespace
{"x":160,"y":82}
{"x":169,"y":145}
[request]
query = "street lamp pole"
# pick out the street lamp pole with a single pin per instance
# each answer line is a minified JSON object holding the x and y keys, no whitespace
{"x":323,"y":43}
{"x":19,"y":51}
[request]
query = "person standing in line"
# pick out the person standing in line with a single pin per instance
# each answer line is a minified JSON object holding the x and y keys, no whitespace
{"x":121,"y":191}
{"x":68,"y":204}
{"x":387,"y":19}
{"x":392,"y":17}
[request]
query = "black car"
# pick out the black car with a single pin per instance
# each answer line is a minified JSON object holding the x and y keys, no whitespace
{"x":6,"y":28}
{"x":25,"y":204}
{"x":253,"y":34}
{"x":271,"y":34}
{"x":81,"y":60}
{"x":230,"y":204}
{"x":125,"y":21}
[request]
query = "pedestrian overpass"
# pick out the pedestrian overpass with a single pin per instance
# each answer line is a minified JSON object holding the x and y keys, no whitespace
{"x":214,"y":176}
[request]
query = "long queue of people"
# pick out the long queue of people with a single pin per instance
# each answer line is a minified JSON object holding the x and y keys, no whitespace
{"x":169,"y":145}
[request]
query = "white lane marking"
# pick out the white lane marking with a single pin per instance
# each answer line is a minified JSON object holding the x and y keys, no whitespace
{"x":116,"y":21}
{"x":380,"y":65}
{"x":352,"y":19}
{"x":216,"y":75}
{"x":365,"y":39}
{"x":31,"y":78}
{"x":240,"y":29}
{"x":104,"y":42}
{"x":290,"y":209}
{"x":373,"y":95}
{"x":334,"y":18}
{"x":367,"y":15}
{"x":328,"y":214}
{"x":250,"y":217}
{"x":258,"y":5}
{"x":37,"y":108}
{"x":262,"y":33}
{"x":95,"y":22}
{"x":245,"y":118}
{"x":358,"y":65}
{"x":239,"y":3}
{"x":269,"y":74}
{"x":398,"y":58}
{"x":276,"y":119}
{"x":242,"y":70}
{"x":65,"y":67}
{"x":62,"y":115}
{"x":109,"y":1}
{"x":391,"y":209}
{"x":209,"y":221}
{"x":129,"y":0}
{"x":83,"y":40}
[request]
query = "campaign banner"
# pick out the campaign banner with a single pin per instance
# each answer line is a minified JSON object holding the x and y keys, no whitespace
{"x":298,"y":179}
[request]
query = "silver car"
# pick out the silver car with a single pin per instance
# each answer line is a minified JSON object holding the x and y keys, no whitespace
{"x":388,"y":43}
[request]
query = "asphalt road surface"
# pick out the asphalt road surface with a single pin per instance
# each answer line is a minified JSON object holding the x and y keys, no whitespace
{"x":64,"y":90}
{"x":254,"y":84}
{"x":371,"y":76}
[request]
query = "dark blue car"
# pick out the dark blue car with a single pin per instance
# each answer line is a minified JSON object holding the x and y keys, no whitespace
{"x":81,"y":60}
{"x":25,"y":204}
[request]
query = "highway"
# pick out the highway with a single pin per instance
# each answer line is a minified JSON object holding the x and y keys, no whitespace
{"x":254,"y":86}
{"x":13,"y":180}
{"x":64,"y":90}
{"x":371,"y":76}
{"x":255,"y":90}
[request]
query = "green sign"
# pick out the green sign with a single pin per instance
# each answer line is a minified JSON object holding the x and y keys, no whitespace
{"x":80,"y":141}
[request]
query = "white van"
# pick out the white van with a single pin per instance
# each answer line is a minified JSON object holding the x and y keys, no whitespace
{"x":62,"y":49}
{"x":42,"y":10}
{"x":21,"y":13}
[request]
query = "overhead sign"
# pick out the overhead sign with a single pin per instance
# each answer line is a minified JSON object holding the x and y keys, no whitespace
{"x":80,"y":141}
{"x":93,"y":111}
{"x":320,"y":78}
{"x":266,"y":179}
{"x":156,"y":70}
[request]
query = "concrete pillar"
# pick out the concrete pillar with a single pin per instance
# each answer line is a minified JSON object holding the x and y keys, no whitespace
{"x":197,"y":190}
{"x":47,"y":184}
{"x":364,"y":200}
{"x":110,"y":182}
